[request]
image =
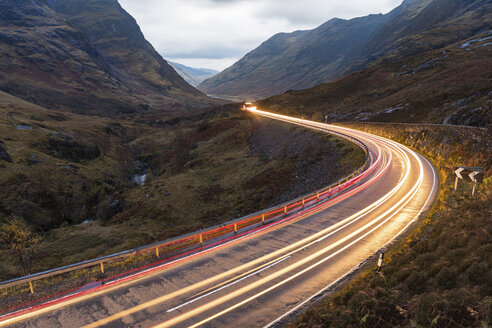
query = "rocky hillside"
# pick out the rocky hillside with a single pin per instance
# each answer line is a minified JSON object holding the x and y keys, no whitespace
{"x":86,"y":183}
{"x":193,"y":76}
{"x":304,"y":59}
{"x":452,"y":85}
{"x":86,"y":56}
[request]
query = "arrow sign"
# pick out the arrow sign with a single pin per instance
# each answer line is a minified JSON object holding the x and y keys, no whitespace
{"x":472,"y":176}
{"x":458,"y":172}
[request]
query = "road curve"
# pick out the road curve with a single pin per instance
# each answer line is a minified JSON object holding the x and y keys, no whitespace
{"x":255,"y":279}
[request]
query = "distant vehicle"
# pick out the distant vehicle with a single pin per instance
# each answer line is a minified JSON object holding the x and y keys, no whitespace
{"x":248,"y":106}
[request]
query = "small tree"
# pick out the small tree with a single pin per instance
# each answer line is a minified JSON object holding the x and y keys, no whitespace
{"x":16,"y":235}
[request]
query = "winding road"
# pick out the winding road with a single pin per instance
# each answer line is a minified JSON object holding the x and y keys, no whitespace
{"x":259,"y":278}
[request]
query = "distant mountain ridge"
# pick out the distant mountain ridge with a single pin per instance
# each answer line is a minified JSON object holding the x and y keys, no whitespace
{"x":86,"y":56}
{"x":193,"y":76}
{"x":304,"y":59}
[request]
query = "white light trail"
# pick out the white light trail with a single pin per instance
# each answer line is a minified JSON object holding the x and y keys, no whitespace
{"x":395,"y":209}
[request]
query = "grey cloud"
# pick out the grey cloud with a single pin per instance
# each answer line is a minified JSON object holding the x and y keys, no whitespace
{"x":219,"y":29}
{"x":319,"y":11}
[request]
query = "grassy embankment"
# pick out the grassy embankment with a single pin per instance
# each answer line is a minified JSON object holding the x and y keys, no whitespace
{"x":71,"y":176}
{"x":440,"y":275}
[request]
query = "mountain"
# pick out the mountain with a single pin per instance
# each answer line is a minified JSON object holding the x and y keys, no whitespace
{"x":86,"y":56}
{"x":289,"y":60}
{"x":451,"y":85}
{"x":303,"y":59}
{"x":193,"y":76}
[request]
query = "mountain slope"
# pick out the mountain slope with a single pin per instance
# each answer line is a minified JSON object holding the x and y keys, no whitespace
{"x":288,"y":60}
{"x":193,"y":76}
{"x":451,"y":85}
{"x":304,"y":59}
{"x":421,"y":25}
{"x":86,"y":57}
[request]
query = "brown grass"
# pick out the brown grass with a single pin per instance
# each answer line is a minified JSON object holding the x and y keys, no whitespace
{"x":204,"y":172}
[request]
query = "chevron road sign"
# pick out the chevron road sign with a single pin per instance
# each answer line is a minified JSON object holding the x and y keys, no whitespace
{"x":474,"y":173}
{"x":472,"y":176}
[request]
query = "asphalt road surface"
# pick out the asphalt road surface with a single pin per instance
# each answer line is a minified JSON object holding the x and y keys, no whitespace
{"x":256,"y":279}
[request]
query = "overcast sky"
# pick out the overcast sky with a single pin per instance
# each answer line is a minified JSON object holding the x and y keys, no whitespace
{"x":217,"y":33}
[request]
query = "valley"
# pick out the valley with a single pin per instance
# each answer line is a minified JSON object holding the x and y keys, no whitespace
{"x":333,"y":149}
{"x":71,"y":177}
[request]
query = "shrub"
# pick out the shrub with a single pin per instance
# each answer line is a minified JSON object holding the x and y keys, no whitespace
{"x":416,"y":283}
{"x":489,"y":315}
{"x":446,"y":278}
{"x":458,"y":302}
{"x":361,"y":302}
{"x":428,"y":309}
{"x":103,"y":211}
{"x":476,"y":272}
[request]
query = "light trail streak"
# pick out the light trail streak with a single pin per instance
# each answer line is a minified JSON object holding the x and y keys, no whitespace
{"x":155,"y":302}
{"x":228,"y":285}
{"x":300,"y":245}
{"x":108,"y":287}
{"x":191,"y":313}
{"x":299,"y":263}
{"x":434,"y":183}
{"x":277,"y":256}
{"x":403,"y":202}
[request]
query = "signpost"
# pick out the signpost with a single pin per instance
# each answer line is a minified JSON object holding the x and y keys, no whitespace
{"x":458,"y":176}
{"x":380,"y":261}
{"x":472,"y":178}
{"x":474,"y":173}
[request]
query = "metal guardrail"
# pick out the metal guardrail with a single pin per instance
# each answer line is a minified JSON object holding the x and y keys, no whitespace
{"x":198,"y":237}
